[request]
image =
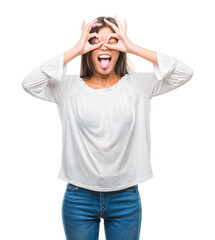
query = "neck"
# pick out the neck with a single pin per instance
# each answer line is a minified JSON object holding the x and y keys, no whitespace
{"x":105,"y":79}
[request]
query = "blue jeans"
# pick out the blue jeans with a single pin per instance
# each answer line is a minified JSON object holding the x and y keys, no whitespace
{"x":82,"y":209}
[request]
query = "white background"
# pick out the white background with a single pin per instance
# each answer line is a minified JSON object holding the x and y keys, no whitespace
{"x":178,"y":202}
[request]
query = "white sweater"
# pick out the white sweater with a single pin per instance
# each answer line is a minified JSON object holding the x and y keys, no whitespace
{"x":105,"y":132}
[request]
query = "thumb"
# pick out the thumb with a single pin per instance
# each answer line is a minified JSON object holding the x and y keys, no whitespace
{"x":109,"y":46}
{"x":97,"y":45}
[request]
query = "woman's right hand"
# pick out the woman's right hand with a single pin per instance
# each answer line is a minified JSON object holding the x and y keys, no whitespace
{"x":83,"y":46}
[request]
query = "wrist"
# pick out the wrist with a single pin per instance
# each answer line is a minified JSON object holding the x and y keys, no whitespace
{"x":133,"y":49}
{"x":76,"y":51}
{"x":70,"y":54}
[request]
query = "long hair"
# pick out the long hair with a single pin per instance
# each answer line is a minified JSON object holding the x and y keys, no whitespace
{"x":87,"y":67}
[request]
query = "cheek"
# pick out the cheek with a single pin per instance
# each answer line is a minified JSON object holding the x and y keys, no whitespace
{"x":94,"y":58}
{"x":115,"y":57}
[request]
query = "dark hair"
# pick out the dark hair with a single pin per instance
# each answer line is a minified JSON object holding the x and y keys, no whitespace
{"x":87,"y":67}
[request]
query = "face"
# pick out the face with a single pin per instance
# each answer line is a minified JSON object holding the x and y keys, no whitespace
{"x":105,"y":65}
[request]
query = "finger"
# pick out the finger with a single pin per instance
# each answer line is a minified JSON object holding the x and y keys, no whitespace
{"x":94,"y":21}
{"x":118,"y":22}
{"x":110,"y":36}
{"x":111,"y":24}
{"x":125,"y":25}
{"x":91,"y":35}
{"x":91,"y":23}
{"x":96,"y":24}
{"x":110,"y":46}
{"x":83,"y":24}
{"x":97,"y":35}
{"x":97,"y":45}
{"x":90,"y":27}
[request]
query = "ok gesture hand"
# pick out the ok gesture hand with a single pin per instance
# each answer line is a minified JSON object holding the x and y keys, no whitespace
{"x":83,"y":46}
{"x":123,"y":44}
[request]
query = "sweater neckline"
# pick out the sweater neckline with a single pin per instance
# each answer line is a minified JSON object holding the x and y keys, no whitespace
{"x":102,"y":90}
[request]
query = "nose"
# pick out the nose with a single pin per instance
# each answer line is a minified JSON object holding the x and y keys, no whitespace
{"x":104,"y":47}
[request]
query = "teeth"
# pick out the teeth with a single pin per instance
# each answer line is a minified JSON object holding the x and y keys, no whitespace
{"x":104,"y":56}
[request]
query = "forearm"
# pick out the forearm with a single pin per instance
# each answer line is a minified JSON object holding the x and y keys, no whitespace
{"x":145,"y":53}
{"x":45,"y":81}
{"x":70,"y":54}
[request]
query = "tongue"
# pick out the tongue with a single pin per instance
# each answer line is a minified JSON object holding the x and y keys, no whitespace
{"x":104,"y":62}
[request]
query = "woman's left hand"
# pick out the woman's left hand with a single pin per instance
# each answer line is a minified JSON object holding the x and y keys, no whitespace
{"x":123,"y":44}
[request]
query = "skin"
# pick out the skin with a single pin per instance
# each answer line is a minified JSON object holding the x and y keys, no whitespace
{"x":103,"y":78}
{"x":105,"y":43}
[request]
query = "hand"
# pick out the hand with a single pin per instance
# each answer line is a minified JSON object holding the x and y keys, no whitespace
{"x":123,"y":44}
{"x":83,"y":46}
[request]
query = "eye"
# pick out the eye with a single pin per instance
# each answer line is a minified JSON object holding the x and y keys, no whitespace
{"x":96,"y":41}
{"x":113,"y":40}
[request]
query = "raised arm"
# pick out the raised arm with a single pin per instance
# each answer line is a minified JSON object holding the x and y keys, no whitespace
{"x":168,"y":72}
{"x":145,"y":53}
{"x":49,"y":81}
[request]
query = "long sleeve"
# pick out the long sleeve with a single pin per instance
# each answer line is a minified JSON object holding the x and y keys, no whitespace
{"x":169,"y":74}
{"x":48,"y":81}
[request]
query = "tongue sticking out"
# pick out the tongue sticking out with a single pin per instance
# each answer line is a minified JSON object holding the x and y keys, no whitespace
{"x":104,"y":62}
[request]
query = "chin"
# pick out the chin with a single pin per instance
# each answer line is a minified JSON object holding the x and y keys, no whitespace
{"x":104,"y":71}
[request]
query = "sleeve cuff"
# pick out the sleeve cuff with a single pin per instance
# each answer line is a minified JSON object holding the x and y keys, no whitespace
{"x":54,"y":67}
{"x":166,"y":65}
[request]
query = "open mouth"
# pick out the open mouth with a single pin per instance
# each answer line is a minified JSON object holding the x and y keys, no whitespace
{"x":104,"y":61}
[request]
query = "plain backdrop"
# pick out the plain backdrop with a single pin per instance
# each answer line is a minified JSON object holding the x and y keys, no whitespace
{"x":178,"y":202}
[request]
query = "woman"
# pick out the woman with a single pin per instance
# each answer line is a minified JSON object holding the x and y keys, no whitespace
{"x":105,"y":116}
